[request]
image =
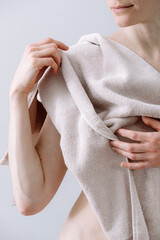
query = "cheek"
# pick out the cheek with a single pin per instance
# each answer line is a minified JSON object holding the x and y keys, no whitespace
{"x":148,"y":8}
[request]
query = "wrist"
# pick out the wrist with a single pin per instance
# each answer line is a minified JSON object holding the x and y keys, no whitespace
{"x":16,"y":93}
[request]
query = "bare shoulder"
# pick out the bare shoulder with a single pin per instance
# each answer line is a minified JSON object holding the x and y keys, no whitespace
{"x":117,"y":36}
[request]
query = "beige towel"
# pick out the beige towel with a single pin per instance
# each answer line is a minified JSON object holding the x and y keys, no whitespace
{"x":102,"y":86}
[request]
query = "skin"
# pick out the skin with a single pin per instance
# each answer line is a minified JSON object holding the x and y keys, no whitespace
{"x":35,"y":60}
{"x":140,"y":28}
{"x":32,"y":192}
{"x":140,"y":31}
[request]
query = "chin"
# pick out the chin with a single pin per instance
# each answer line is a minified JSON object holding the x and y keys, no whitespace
{"x":124,"y":23}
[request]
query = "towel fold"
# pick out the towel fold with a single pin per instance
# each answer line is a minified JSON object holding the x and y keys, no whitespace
{"x":102,"y":86}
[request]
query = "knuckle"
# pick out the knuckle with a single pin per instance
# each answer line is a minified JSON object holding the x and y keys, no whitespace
{"x":34,"y":61}
{"x":51,"y":61}
{"x":154,"y":140}
{"x":130,"y":148}
{"x":150,"y":146}
{"x":53,"y":50}
{"x":29,"y":46}
{"x":133,"y":135}
{"x":133,"y":156}
{"x":153,"y":147}
{"x":29,"y":49}
{"x":31,"y":54}
{"x":54,"y":45}
{"x":48,"y":39}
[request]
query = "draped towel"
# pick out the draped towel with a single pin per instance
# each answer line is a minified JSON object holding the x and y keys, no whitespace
{"x":101,"y":86}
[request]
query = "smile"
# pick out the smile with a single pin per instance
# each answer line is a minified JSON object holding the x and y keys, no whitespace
{"x":121,"y":9}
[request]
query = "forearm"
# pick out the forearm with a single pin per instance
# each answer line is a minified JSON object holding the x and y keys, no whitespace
{"x":25,"y":165}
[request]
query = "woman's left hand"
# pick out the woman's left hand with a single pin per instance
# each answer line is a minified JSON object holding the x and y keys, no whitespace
{"x":148,"y":150}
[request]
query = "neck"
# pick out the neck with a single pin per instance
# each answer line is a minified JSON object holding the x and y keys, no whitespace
{"x":145,"y":35}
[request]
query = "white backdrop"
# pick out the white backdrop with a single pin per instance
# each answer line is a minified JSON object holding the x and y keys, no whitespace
{"x":23,"y":22}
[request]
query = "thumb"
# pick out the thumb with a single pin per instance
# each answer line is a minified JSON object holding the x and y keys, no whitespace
{"x":151,"y":122}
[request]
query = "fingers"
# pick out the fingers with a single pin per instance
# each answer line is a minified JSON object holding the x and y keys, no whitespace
{"x":45,"y":51}
{"x":139,"y":165}
{"x":61,"y":45}
{"x":151,"y":122}
{"x":43,"y":46}
{"x":134,"y":156}
{"x":50,"y":40}
{"x":135,"y":135}
{"x":49,"y":52}
{"x":41,"y":62}
{"x":131,"y":147}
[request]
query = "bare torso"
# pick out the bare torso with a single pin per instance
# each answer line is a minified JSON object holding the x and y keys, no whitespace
{"x":82,"y":223}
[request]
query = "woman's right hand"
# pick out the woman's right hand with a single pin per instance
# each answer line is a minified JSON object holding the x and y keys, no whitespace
{"x":35,"y":60}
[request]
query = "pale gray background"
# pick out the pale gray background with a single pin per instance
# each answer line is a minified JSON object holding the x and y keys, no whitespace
{"x":23,"y":22}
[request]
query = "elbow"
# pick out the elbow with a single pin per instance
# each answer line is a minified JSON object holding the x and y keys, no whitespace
{"x":27,"y":210}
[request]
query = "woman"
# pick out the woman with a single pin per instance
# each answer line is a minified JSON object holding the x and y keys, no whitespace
{"x":140,"y":27}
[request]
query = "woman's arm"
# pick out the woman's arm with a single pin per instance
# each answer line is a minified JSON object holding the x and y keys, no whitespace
{"x":37,"y":171}
{"x":25,"y":166}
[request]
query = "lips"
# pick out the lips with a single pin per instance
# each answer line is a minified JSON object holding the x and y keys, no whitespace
{"x":122,"y":6}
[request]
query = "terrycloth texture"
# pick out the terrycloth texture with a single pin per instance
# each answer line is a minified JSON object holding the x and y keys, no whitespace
{"x":102,"y":86}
